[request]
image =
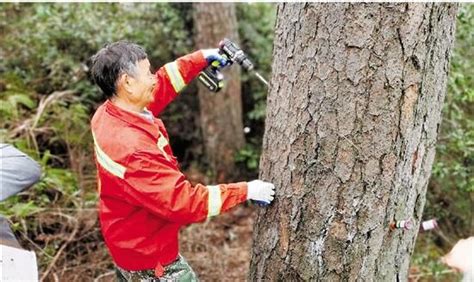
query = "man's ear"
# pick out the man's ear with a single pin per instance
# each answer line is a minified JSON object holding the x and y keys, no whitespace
{"x":126,"y":81}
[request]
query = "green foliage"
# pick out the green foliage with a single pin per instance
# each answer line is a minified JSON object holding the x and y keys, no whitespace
{"x":455,"y":162}
{"x":22,"y":210}
{"x":249,"y":156}
{"x":15,"y":100}
{"x":48,"y":45}
{"x":452,"y":183}
{"x":257,"y":41}
{"x":432,"y":270}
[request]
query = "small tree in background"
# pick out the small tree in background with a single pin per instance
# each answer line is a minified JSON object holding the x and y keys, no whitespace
{"x":221,"y":113}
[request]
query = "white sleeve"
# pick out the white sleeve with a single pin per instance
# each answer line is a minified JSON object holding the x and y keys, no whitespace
{"x":17,"y":264}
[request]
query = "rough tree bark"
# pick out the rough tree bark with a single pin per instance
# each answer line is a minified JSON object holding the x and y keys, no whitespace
{"x":221,"y":113}
{"x":352,"y":119}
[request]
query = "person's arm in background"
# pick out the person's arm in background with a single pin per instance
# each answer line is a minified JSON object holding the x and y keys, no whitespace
{"x":461,"y":258}
{"x":17,"y":171}
{"x":173,"y":77}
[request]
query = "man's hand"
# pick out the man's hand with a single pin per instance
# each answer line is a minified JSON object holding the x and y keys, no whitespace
{"x":213,"y":55}
{"x":261,"y":191}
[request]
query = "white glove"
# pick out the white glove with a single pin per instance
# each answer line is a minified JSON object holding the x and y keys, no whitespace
{"x":261,"y":191}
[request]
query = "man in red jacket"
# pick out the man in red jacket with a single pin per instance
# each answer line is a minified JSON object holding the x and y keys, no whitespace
{"x":144,"y":198}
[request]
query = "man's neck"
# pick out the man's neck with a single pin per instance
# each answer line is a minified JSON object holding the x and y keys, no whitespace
{"x":126,"y":105}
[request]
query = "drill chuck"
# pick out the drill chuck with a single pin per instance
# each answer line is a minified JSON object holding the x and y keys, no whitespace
{"x":235,"y":54}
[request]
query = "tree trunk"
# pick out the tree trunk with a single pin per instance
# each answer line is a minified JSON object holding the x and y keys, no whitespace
{"x":352,"y":119}
{"x":221,"y":113}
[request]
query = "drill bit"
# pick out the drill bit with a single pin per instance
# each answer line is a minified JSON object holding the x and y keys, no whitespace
{"x":261,"y":78}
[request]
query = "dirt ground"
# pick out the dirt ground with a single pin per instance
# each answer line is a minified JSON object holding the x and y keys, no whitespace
{"x":219,"y":250}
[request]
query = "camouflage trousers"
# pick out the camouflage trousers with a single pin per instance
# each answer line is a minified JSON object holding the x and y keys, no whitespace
{"x":178,"y":271}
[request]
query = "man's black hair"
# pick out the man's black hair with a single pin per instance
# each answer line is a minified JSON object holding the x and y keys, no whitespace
{"x":113,"y":60}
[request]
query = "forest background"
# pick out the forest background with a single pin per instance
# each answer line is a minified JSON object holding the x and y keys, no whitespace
{"x":47,"y":100}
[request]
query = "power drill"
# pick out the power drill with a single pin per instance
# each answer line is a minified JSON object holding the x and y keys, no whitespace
{"x":213,"y":79}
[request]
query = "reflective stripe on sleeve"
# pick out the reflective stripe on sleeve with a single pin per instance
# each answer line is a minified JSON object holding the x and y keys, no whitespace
{"x":107,"y":163}
{"x":215,"y":201}
{"x":175,"y":76}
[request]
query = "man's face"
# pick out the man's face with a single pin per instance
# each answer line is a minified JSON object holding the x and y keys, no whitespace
{"x":142,"y":84}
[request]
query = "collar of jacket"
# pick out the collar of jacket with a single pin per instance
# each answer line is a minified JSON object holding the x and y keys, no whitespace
{"x":134,"y":119}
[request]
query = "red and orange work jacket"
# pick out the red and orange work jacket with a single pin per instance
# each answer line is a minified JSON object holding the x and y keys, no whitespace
{"x":144,"y":198}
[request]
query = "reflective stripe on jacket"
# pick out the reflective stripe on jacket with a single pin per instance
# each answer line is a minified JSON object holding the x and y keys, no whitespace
{"x":144,"y":197}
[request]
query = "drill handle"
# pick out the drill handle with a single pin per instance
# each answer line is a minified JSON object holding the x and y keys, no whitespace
{"x":212,"y":78}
